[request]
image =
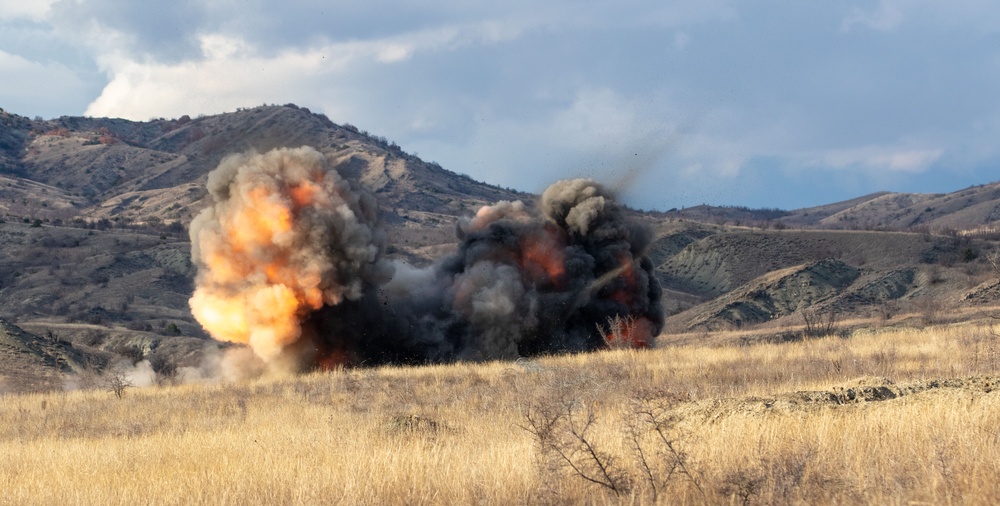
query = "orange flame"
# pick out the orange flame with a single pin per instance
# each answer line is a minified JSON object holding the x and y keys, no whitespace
{"x":544,"y":251}
{"x":332,"y":360}
{"x":629,"y":332}
{"x":255,"y":284}
{"x":639,"y":333}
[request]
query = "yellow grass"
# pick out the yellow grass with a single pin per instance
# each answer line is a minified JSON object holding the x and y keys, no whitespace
{"x":858,"y":420}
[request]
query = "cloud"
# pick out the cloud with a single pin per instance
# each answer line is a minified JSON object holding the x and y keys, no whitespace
{"x":23,"y":77}
{"x":232,"y":72}
{"x":596,"y":132}
{"x":887,"y":158}
{"x":968,"y":16}
{"x":20,"y":9}
{"x":522,"y":93}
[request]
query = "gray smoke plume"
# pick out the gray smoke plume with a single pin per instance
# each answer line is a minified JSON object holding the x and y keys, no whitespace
{"x":306,"y":284}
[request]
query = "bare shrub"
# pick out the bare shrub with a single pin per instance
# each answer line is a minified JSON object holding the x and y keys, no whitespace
{"x":788,"y":471}
{"x":982,"y":349}
{"x":164,"y":367}
{"x":652,"y":416}
{"x":132,"y":352}
{"x":993,"y":258}
{"x":819,"y":323}
{"x":563,"y":434}
{"x":116,"y":380}
{"x":886,"y":311}
{"x":929,"y":309}
{"x":138,"y":325}
{"x":617,"y":333}
{"x":414,"y":424}
{"x":92,"y":338}
{"x":744,"y":484}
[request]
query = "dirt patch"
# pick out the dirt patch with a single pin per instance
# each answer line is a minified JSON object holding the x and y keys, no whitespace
{"x":859,"y":391}
{"x":986,"y":293}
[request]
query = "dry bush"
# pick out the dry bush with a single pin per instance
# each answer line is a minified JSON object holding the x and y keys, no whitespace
{"x":616,"y":333}
{"x":819,"y":323}
{"x":116,"y":380}
{"x":886,"y":310}
{"x":929,"y":309}
{"x":564,"y":437}
{"x":665,"y":459}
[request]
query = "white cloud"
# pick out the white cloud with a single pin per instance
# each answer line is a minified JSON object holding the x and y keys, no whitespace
{"x":597,"y":117}
{"x":710,"y":93}
{"x":888,"y":158}
{"x":140,"y":90}
{"x":684,"y":13}
{"x":394,"y":52}
{"x":25,"y":9}
{"x":642,"y":145}
{"x":222,"y":47}
{"x":232,"y":73}
{"x":907,"y":161}
{"x":23,"y":78}
{"x":965,"y":16}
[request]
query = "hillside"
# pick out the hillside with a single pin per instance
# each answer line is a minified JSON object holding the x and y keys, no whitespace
{"x":972,"y":210}
{"x":94,"y":247}
{"x":154,"y":172}
{"x":94,"y":215}
{"x":33,"y":362}
{"x":717,"y":277}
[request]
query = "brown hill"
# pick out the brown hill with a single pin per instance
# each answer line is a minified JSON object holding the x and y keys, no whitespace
{"x":154,"y":172}
{"x":776,"y":294}
{"x":30,"y":362}
{"x":726,"y":277}
{"x":94,"y":214}
{"x":94,"y":247}
{"x":972,"y":210}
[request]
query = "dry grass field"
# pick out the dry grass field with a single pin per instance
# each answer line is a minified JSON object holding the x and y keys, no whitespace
{"x":895,"y":416}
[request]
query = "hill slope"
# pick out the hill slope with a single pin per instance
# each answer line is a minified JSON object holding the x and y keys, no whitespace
{"x":30,"y":362}
{"x":975,"y":209}
{"x":718,"y":277}
{"x":154,"y":172}
{"x":94,"y":246}
{"x":94,"y":214}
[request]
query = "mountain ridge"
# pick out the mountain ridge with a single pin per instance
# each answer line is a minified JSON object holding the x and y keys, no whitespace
{"x":976,"y":208}
{"x":94,"y":245}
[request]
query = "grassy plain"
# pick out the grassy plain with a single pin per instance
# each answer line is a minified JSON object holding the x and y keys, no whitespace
{"x":891,"y":416}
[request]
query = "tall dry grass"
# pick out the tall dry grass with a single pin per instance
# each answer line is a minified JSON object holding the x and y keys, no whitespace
{"x":866,"y":419}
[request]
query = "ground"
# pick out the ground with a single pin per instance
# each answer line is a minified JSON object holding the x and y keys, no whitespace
{"x":877,"y":415}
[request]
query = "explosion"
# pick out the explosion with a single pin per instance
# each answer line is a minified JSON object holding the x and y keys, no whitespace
{"x":290,"y":263}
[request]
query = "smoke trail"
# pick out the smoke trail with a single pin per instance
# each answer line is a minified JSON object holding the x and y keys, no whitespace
{"x":289,"y":262}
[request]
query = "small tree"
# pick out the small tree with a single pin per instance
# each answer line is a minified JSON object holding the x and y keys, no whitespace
{"x":117,"y":381}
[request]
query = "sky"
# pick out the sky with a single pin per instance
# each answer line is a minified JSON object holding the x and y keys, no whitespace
{"x":771,"y":103}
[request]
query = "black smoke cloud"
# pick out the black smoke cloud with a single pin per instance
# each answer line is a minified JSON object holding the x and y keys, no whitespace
{"x":525,"y":280}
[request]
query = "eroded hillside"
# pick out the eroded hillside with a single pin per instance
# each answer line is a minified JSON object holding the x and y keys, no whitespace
{"x":94,"y":248}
